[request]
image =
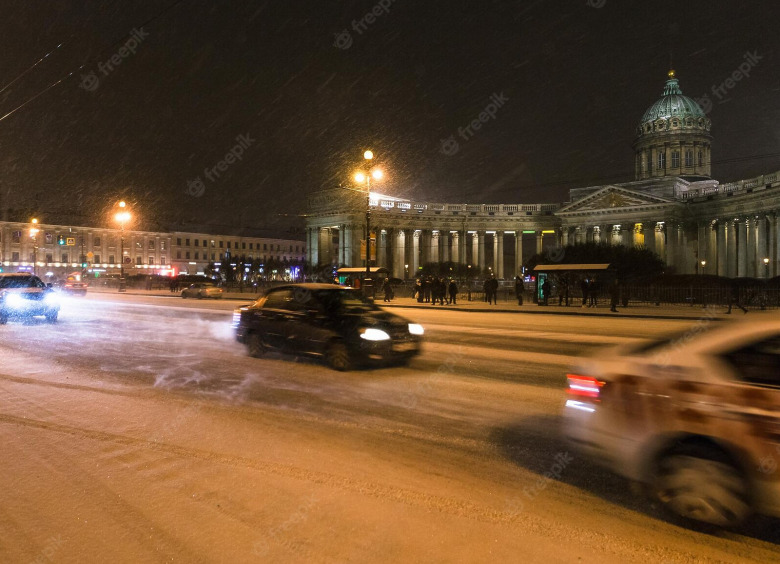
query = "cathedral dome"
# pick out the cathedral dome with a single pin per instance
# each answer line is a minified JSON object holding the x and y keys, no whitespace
{"x":673,"y":111}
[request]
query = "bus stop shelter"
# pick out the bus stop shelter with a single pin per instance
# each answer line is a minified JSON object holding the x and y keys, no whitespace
{"x":570,"y":274}
{"x":347,"y":274}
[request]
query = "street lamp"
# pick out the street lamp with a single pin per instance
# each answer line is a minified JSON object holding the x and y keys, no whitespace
{"x":766,"y":267}
{"x":361,"y":177}
{"x":122,"y":216}
{"x":34,"y":236}
{"x":703,"y":264}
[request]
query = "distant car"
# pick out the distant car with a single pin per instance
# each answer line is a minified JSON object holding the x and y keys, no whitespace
{"x":23,"y":295}
{"x":202,"y":290}
{"x":695,"y":417}
{"x":75,"y":285}
{"x":327,"y":321}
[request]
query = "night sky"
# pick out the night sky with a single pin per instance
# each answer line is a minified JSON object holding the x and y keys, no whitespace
{"x":311,"y":83}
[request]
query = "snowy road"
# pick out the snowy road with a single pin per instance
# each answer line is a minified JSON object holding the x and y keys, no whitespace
{"x":137,"y":429}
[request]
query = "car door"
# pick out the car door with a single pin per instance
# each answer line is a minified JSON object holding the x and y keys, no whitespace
{"x":279,"y":320}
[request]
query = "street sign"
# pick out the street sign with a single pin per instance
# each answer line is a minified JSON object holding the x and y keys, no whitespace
{"x":90,"y":255}
{"x":70,"y":241}
{"x":363,"y":249}
{"x":128,"y":260}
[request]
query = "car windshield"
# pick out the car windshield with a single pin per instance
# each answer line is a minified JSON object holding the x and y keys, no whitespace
{"x":20,"y":282}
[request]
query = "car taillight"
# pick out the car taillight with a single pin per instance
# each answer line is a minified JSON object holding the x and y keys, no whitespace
{"x":585,"y":387}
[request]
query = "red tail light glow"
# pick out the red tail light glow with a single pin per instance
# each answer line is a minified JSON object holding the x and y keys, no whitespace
{"x":585,"y":386}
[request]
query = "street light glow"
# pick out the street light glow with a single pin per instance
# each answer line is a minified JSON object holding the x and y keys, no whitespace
{"x":360,"y":177}
{"x":377,"y":173}
{"x":368,"y":155}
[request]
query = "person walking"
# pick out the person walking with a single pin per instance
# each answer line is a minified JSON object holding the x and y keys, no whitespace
{"x":493,"y":290}
{"x":388,"y":291}
{"x":453,"y":291}
{"x":614,"y":295}
{"x":584,"y":283}
{"x":593,"y":293}
{"x":734,"y":297}
{"x":519,"y":290}
{"x":546,"y":292}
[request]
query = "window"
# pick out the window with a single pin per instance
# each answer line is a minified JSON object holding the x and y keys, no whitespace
{"x":197,"y":242}
{"x":649,"y":160}
{"x":178,"y":241}
{"x":139,"y":246}
{"x":221,"y":244}
{"x":15,"y":256}
{"x":197,"y":255}
{"x":228,"y":244}
{"x":16,"y":236}
{"x":162,"y":245}
{"x":162,"y":259}
{"x":178,"y":254}
{"x":213,"y":256}
{"x":64,"y":257}
{"x":243,"y":245}
{"x":151,"y":260}
{"x":49,"y":257}
{"x":250,"y":246}
{"x":688,"y":158}
{"x":205,"y":243}
{"x":187,"y":255}
{"x":675,"y":159}
{"x":265,"y":246}
{"x":187,"y":242}
{"x":661,"y":160}
{"x":111,"y":259}
{"x":95,"y":259}
{"x":291,"y":247}
{"x":758,"y":363}
{"x":151,"y":245}
{"x":32,"y":257}
{"x":139,"y":260}
{"x":701,"y":158}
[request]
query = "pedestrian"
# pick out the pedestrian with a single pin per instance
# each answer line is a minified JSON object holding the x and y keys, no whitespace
{"x":614,"y":295}
{"x":546,"y":291}
{"x":584,"y":283}
{"x":519,"y":290}
{"x":563,"y":291}
{"x":441,"y":290}
{"x":734,"y":297}
{"x":388,"y":288}
{"x":426,"y":289}
{"x":593,"y":292}
{"x":486,"y":289}
{"x":453,"y":290}
{"x":418,"y":288}
{"x":493,"y":290}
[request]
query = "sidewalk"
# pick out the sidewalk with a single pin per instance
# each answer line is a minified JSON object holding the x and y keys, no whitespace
{"x":666,"y":311}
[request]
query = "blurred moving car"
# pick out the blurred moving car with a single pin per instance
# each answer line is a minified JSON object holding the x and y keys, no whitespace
{"x":327,"y":321}
{"x":75,"y":285}
{"x":23,"y":295}
{"x":202,"y":290}
{"x":695,"y":417}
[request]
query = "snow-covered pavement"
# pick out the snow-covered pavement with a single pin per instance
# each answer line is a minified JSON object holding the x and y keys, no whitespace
{"x":136,"y":429}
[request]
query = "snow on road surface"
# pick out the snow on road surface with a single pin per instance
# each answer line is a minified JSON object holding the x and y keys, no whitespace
{"x":138,"y":430}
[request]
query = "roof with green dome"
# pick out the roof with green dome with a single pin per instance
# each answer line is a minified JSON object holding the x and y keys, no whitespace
{"x":673,"y":104}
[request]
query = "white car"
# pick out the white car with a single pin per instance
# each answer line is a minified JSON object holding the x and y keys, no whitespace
{"x":695,"y":417}
{"x":202,"y":290}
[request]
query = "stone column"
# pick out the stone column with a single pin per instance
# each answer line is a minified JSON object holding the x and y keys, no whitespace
{"x":742,"y":248}
{"x":435,"y":237}
{"x":381,"y":248}
{"x":722,"y":246}
{"x":731,"y":246}
{"x":597,"y":234}
{"x":456,"y":258}
{"x":659,"y":240}
{"x":409,"y":254}
{"x":564,"y":236}
{"x":519,"y":252}
{"x":496,"y":258}
{"x":425,"y":239}
{"x":774,"y":244}
{"x":712,"y":249}
{"x":539,"y":242}
{"x":752,"y":247}
{"x":500,"y":270}
{"x":415,"y":264}
{"x":481,"y":250}
{"x":761,"y":247}
{"x":444,"y":245}
{"x":701,"y":247}
{"x":399,"y":254}
{"x":475,"y":250}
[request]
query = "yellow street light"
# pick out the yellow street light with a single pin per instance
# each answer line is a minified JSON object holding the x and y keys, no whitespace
{"x":122,"y":217}
{"x":34,"y":236}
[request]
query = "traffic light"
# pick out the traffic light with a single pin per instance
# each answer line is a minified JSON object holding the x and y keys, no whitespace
{"x":60,"y":239}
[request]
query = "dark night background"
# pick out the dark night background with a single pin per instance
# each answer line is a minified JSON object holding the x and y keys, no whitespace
{"x":578,"y":76}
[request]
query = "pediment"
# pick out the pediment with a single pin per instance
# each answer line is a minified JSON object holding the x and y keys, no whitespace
{"x":611,"y":198}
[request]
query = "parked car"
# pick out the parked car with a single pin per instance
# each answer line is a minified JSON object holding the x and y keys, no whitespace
{"x":695,"y":417}
{"x":202,"y":290}
{"x":23,"y":295}
{"x":328,"y":321}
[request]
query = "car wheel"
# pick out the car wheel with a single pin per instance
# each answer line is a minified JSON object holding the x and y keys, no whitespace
{"x":337,"y":356}
{"x":3,"y":319}
{"x":200,"y":296}
{"x":702,"y":485}
{"x":51,"y":317}
{"x":255,"y":345}
{"x":183,"y":295}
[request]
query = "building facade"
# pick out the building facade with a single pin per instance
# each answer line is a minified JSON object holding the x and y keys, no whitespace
{"x":59,"y":250}
{"x":674,"y":208}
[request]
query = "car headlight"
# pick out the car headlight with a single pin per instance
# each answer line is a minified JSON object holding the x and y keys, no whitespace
{"x":14,"y":300}
{"x":416,"y":329}
{"x":373,"y":334}
{"x":51,"y":298}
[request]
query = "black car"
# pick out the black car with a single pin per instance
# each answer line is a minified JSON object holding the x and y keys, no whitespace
{"x":23,"y":295}
{"x":329,"y":321}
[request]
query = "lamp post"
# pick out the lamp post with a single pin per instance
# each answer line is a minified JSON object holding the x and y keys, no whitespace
{"x":360,"y":178}
{"x":703,"y":264}
{"x":122,"y":216}
{"x":766,"y":267}
{"x":34,"y":236}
